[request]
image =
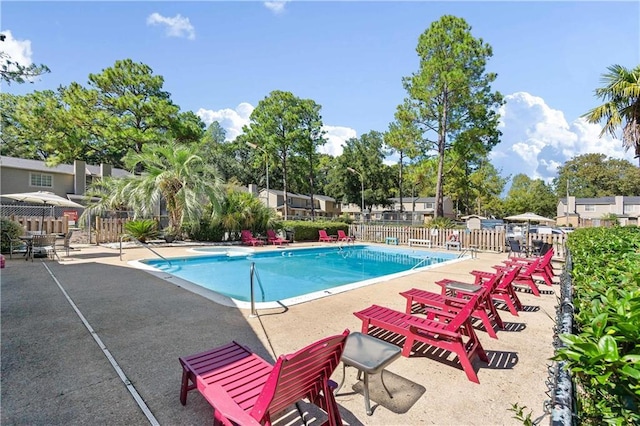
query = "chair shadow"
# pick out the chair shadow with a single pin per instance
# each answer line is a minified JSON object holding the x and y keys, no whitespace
{"x":528,"y":290}
{"x":306,"y":414}
{"x":501,"y":360}
{"x":525,"y":308}
{"x":513,"y":326}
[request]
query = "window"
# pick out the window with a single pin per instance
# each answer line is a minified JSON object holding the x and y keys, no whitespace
{"x":41,"y":180}
{"x":628,"y":208}
{"x":428,"y":205}
{"x":589,"y":208}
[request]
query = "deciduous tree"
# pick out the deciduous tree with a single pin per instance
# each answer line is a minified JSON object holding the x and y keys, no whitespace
{"x":402,"y":138}
{"x":365,"y":155}
{"x":281,"y":124}
{"x":595,"y":175}
{"x":530,"y":195}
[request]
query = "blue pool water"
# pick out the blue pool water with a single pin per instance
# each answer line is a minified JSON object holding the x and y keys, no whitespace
{"x":286,"y":274}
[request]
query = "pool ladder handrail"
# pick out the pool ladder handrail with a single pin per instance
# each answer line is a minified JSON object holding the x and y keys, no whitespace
{"x":472,"y":250}
{"x":253,"y":272}
{"x":424,"y":259}
{"x":143,"y":245}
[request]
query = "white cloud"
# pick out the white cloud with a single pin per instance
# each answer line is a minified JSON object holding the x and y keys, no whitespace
{"x":231,"y":120}
{"x":537,"y":139}
{"x":276,"y":6}
{"x":17,"y":50}
{"x":336,"y":136}
{"x":178,"y":26}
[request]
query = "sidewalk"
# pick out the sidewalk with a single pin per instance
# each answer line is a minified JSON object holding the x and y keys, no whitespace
{"x":54,"y":372}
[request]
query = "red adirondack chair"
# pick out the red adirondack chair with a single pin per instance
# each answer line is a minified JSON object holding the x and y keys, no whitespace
{"x":485,"y":310}
{"x":444,"y":330}
{"x":525,"y":275}
{"x":244,"y":389}
{"x":503,"y":291}
{"x":272,"y":238}
{"x":544,"y":271}
{"x":343,"y":237}
{"x":249,"y":240}
{"x":323,"y":237}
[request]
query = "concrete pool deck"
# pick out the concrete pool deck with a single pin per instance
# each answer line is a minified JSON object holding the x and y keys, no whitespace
{"x":54,"y":371}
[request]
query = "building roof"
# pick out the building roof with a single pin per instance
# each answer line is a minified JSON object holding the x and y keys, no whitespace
{"x":323,"y":197}
{"x":66,"y":169}
{"x":416,"y":199}
{"x":604,"y":200}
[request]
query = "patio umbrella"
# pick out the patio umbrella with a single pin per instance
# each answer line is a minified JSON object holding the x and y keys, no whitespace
{"x":43,"y":197}
{"x":529,"y":217}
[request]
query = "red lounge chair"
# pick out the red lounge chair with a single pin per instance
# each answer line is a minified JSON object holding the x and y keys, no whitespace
{"x":503,"y":292}
{"x":525,"y":276}
{"x":485,"y":310}
{"x":244,"y":389}
{"x":343,"y":237}
{"x":323,"y":237}
{"x":272,"y":238}
{"x":249,"y":240}
{"x":451,"y":332}
{"x":544,"y":271}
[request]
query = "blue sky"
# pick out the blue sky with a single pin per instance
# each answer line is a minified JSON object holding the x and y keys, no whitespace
{"x":219,"y":59}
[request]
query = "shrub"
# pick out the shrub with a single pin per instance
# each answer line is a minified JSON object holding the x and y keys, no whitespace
{"x":308,"y":231}
{"x":207,"y":231}
{"x":604,"y":355}
{"x":442,"y":223}
{"x":10,"y":231}
{"x":142,"y":229}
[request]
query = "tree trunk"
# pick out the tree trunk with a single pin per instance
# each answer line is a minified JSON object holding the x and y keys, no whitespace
{"x":442,"y":143}
{"x":400,"y":182}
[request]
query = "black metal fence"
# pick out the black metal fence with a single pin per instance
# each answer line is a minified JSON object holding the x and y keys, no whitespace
{"x":562,"y":390}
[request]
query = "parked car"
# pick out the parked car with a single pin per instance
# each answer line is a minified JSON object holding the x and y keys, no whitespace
{"x":536,"y":230}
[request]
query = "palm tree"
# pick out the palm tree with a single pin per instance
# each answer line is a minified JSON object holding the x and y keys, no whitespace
{"x":622,"y":105}
{"x":242,"y":210}
{"x":172,"y":172}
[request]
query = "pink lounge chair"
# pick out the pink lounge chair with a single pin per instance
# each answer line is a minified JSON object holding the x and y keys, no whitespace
{"x":485,"y":311}
{"x":249,"y":240}
{"x":526,"y":276}
{"x":323,"y":237}
{"x":343,"y":237}
{"x":272,"y":238}
{"x":503,"y":292}
{"x":244,"y":389}
{"x":444,"y":330}
{"x":544,"y":270}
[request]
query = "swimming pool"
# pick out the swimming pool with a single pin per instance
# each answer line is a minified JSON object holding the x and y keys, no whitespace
{"x":289,"y":276}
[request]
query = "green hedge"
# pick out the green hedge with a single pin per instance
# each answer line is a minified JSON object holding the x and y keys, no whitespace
{"x":308,"y":231}
{"x":604,"y":354}
{"x":10,"y":230}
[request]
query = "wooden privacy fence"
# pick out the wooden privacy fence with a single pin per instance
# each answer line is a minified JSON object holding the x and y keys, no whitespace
{"x":109,"y":230}
{"x":50,"y":225}
{"x":480,"y":239}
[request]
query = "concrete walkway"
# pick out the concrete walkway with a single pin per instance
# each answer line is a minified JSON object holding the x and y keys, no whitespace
{"x":54,"y":370}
